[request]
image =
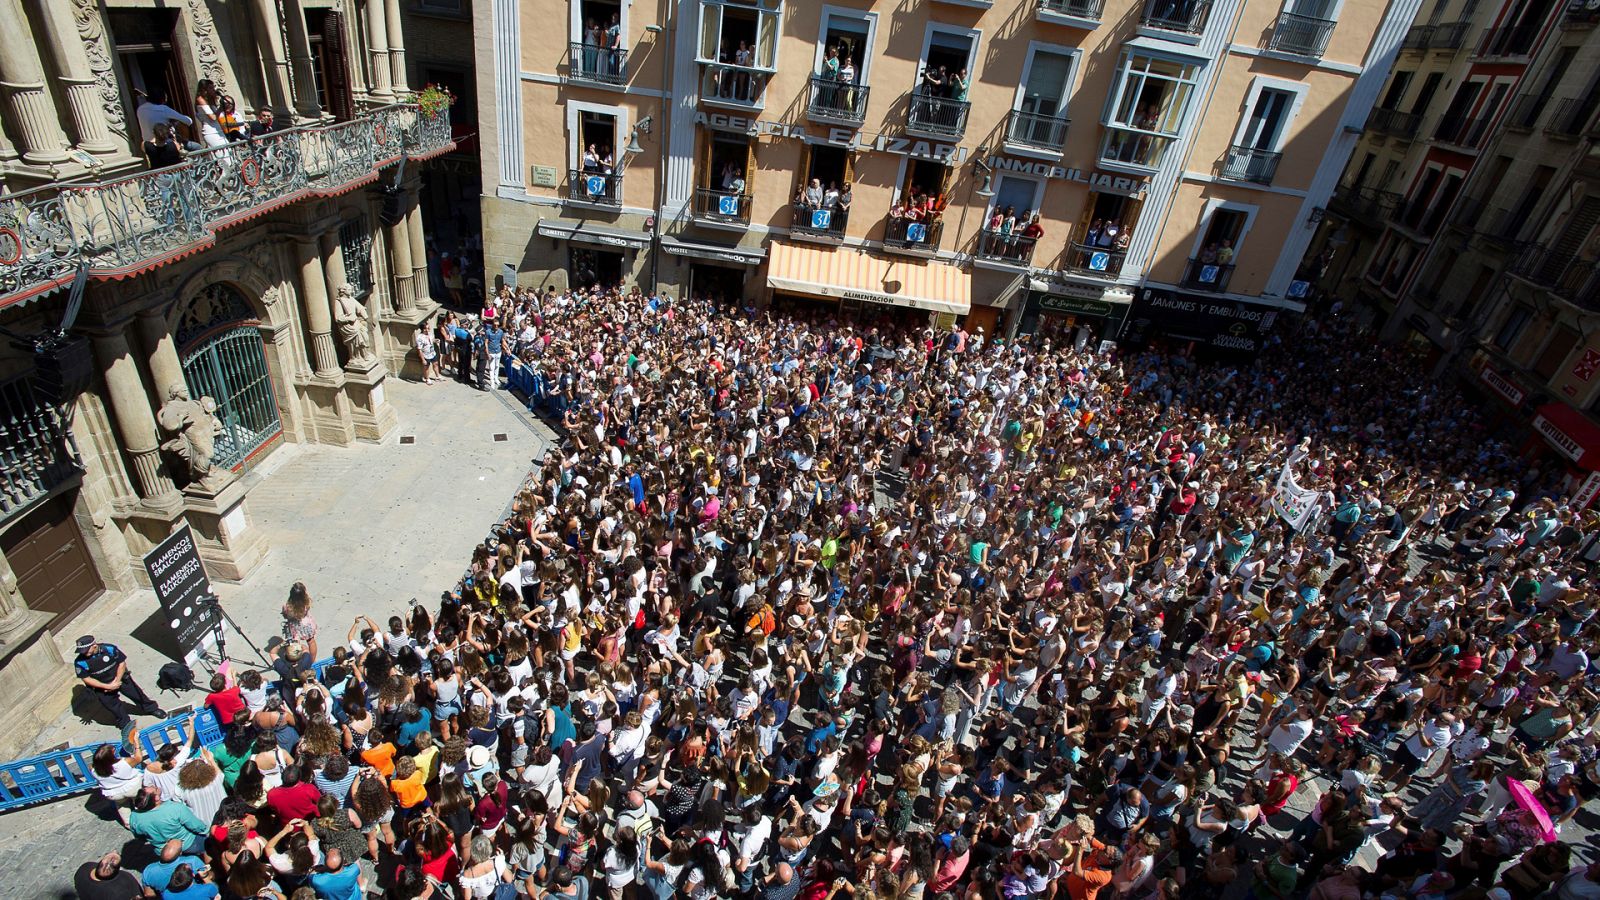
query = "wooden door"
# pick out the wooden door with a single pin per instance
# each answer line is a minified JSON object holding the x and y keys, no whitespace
{"x":54,"y":571}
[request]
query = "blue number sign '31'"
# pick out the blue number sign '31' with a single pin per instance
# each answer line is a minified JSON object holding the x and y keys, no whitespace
{"x":728,"y":205}
{"x":820,"y":218}
{"x":595,"y":184}
{"x":1208,"y":274}
{"x":916,"y":232}
{"x":1099,"y":261}
{"x":1298,"y":289}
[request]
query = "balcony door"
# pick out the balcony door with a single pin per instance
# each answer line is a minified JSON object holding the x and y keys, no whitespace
{"x":1269,"y":115}
{"x":1042,"y":99}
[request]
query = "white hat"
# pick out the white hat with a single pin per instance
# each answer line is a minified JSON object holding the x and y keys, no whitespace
{"x":478,"y":757}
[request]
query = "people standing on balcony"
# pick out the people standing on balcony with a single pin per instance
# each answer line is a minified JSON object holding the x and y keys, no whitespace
{"x":960,"y":82}
{"x":613,"y":39}
{"x":745,"y":58}
{"x":1029,"y":234}
{"x":155,"y":111}
{"x":207,"y":101}
{"x":591,"y":159}
{"x":1225,"y":254}
{"x":842,"y":215}
{"x":1097,"y":229}
{"x":162,"y":149}
{"x":263,"y":123}
{"x":847,"y":77}
{"x":813,"y":195}
{"x":934,"y":82}
{"x":829,"y":95}
{"x":830,"y":197}
{"x":592,"y":36}
{"x":228,"y":120}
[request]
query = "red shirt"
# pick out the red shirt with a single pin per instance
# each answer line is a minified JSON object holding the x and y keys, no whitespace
{"x":226,"y":704}
{"x":298,"y":802}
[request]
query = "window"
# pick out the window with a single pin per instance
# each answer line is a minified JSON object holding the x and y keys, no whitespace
{"x":595,"y":174}
{"x":738,"y":48}
{"x":846,"y":39}
{"x":727,"y":172}
{"x":1147,"y":108}
{"x":1101,"y":240}
{"x":598,"y":30}
{"x":823,"y":196}
{"x":355,"y":245}
{"x":1039,"y":117}
{"x":1397,"y":89}
{"x":1511,"y":329}
{"x":939,"y":103}
{"x":1007,"y":231}
{"x":1258,"y":146}
{"x":916,"y":219}
{"x":1430,"y":86}
{"x":1211,"y":269}
{"x":1304,"y":27}
{"x":1562,"y":340}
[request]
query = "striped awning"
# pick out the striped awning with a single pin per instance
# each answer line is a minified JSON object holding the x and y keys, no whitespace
{"x":843,"y":273}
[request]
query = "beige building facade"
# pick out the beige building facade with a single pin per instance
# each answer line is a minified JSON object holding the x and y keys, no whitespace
{"x":280,"y":277}
{"x":1178,"y":154}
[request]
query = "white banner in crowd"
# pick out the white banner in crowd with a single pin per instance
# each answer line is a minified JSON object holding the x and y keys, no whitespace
{"x":1295,"y":503}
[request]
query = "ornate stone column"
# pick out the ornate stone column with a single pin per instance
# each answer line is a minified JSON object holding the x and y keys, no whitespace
{"x":33,"y":112}
{"x":78,"y":81}
{"x":130,"y":406}
{"x":378,"y":44}
{"x":305,"y":94}
{"x":398,"y":237}
{"x":319,"y":315}
{"x":419,"y":255}
{"x":161,"y":352}
{"x":397,"y":46}
{"x":277,"y":69}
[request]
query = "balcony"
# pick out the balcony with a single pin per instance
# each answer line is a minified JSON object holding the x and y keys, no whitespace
{"x":1091,"y":260}
{"x":1036,"y":132}
{"x":1525,"y":112}
{"x":938,"y":117}
{"x":817,"y":226}
{"x":1182,"y":16}
{"x":589,"y":64}
{"x":1091,"y":10}
{"x":740,"y":87}
{"x":1564,"y":275}
{"x":1134,"y":148}
{"x":1568,"y":119}
{"x":1450,"y":36}
{"x":1507,"y":41}
{"x":1501,"y":227}
{"x":594,"y":188}
{"x":1362,"y":206}
{"x":1467,"y":132}
{"x":835,"y":101}
{"x":145,"y":219}
{"x":721,"y":208}
{"x":1207,"y":276}
{"x":1301,"y":35}
{"x":36,"y":451}
{"x":913,"y":238}
{"x":1580,"y":14}
{"x":1417,"y":38}
{"x":1008,"y":249}
{"x":1393,"y":122}
{"x":1250,"y":165}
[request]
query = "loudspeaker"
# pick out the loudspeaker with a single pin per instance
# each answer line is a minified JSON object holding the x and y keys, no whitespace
{"x":394,"y":206}
{"x":63,"y":368}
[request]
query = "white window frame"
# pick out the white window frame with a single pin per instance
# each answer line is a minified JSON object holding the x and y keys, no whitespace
{"x":863,"y":74}
{"x":1333,"y":14}
{"x":975,"y":34}
{"x":1074,"y":58}
{"x":575,"y":111}
{"x":1297,"y":91}
{"x":1038,"y":195}
{"x":1120,"y":81}
{"x":1249,"y":210}
{"x":575,"y":28}
{"x":764,"y":7}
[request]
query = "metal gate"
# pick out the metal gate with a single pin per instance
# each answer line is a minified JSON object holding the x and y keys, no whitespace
{"x":231,"y":368}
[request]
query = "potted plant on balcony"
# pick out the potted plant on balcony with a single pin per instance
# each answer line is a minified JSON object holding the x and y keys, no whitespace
{"x":433,"y":100}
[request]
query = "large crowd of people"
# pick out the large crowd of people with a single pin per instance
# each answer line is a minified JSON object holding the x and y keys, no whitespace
{"x":803,"y":608}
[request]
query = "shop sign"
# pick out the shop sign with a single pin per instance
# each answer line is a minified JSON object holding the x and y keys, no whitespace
{"x":848,"y":138}
{"x":1225,"y":325}
{"x":1587,"y":365}
{"x":1075,"y":305}
{"x":1120,"y":184}
{"x":1503,"y":386}
{"x":1558,"y":439}
{"x":701,"y":253}
{"x":1587,"y":492}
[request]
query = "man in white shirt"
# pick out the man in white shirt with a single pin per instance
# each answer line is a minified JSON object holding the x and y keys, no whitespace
{"x":155,"y":111}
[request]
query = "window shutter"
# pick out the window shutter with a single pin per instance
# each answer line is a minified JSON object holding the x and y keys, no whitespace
{"x":336,"y":48}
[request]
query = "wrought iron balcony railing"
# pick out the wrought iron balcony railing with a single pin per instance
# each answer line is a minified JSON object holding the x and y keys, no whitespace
{"x":1567,"y":276}
{"x":818,"y":222}
{"x":1207,"y":276}
{"x":1462,"y":131}
{"x":1525,"y":111}
{"x":126,"y":224}
{"x":600,"y":188}
{"x":597,"y":65}
{"x":1042,"y":132}
{"x":1417,"y":38}
{"x":1394,"y":123}
{"x":1013,"y":248}
{"x":833,"y":100}
{"x":1081,"y":9}
{"x":1186,"y":16}
{"x":1365,"y":206}
{"x":722,"y":207}
{"x":938,"y":116}
{"x":1568,"y":119}
{"x":1449,"y":36}
{"x":1250,"y":164}
{"x":1091,"y":259}
{"x":913,"y":237}
{"x":36,"y":451}
{"x":1301,"y":35}
{"x":731,"y":85}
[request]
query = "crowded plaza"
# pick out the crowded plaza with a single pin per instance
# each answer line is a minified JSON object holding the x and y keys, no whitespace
{"x":806,"y":607}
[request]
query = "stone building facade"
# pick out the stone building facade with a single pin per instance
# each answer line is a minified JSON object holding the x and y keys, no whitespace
{"x":281,"y":277}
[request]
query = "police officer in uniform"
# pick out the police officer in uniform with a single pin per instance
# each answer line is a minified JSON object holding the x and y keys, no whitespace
{"x":103,"y":669}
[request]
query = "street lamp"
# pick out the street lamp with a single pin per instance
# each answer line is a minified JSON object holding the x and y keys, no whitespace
{"x":663,"y":44}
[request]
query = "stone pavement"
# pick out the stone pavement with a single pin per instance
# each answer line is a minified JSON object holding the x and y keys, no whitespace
{"x":367,"y":528}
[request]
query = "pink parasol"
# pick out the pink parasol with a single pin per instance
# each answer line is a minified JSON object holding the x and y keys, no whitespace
{"x":1530,"y":803}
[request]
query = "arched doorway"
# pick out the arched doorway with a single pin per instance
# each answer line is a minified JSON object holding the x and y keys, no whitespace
{"x":220,"y":344}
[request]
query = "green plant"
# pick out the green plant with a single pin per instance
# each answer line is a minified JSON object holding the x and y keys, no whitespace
{"x":433,"y":100}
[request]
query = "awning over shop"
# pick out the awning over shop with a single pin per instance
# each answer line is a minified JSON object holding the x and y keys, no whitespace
{"x":845,"y":273}
{"x":744,"y":256}
{"x":1572,"y":433}
{"x":588,"y":233}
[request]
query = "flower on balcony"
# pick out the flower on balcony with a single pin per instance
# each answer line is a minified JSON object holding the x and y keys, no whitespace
{"x":433,"y":100}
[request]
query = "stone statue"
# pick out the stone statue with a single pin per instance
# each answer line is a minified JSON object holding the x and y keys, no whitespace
{"x":351,"y":318}
{"x":192,"y":427}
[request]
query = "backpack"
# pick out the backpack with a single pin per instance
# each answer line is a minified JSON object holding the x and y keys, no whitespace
{"x":175,"y":676}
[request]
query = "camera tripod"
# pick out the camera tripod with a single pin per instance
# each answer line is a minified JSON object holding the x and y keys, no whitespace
{"x":215,"y":660}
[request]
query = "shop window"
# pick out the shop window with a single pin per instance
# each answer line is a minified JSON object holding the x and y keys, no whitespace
{"x":1147,"y":109}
